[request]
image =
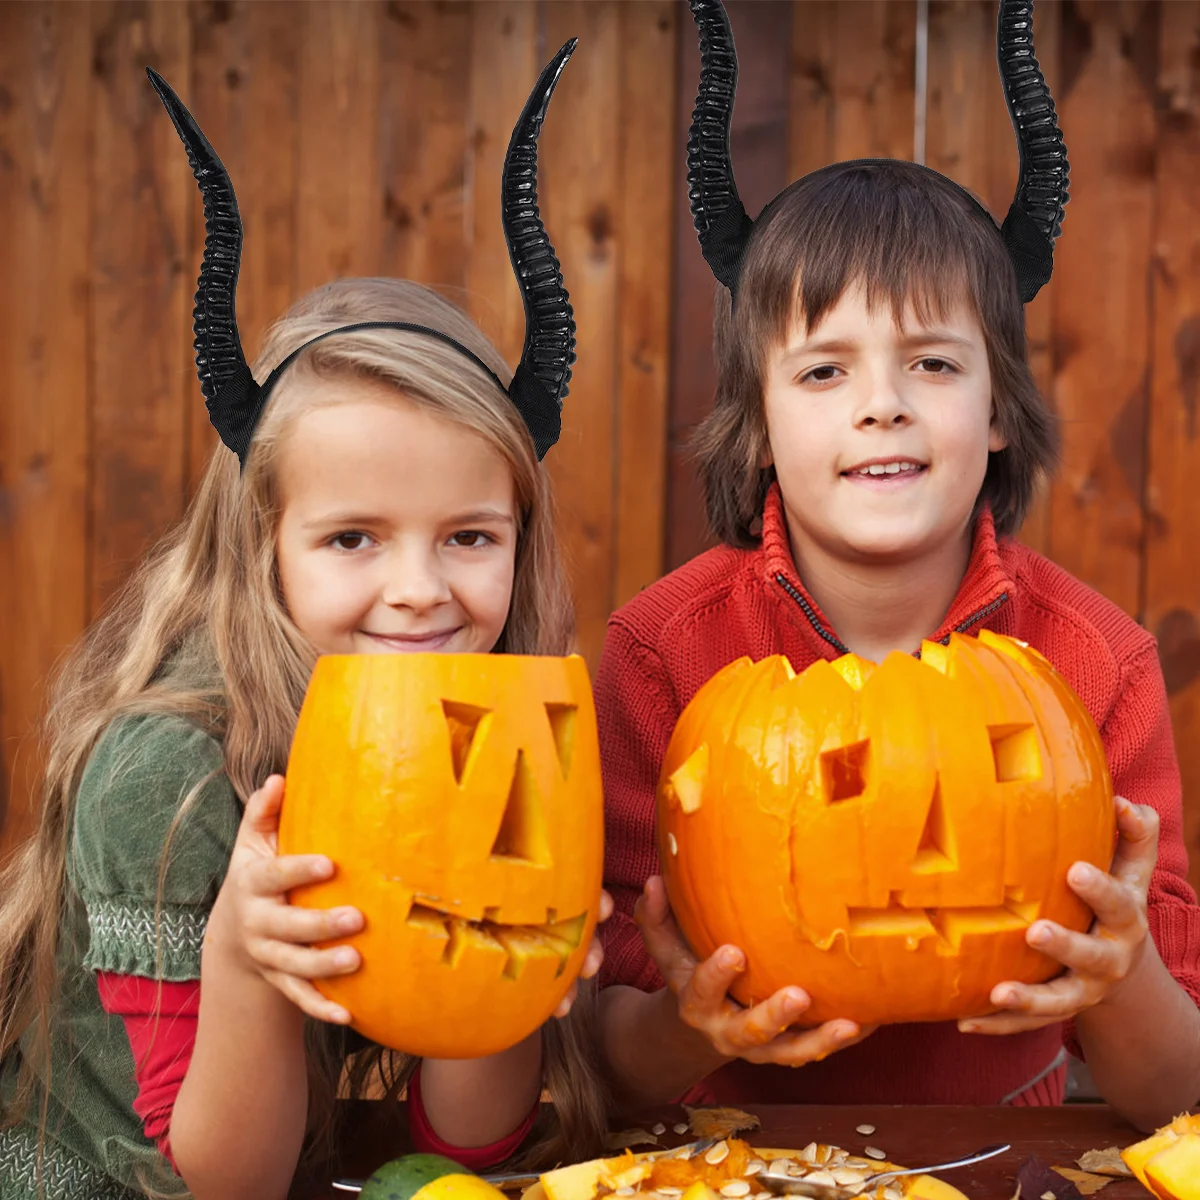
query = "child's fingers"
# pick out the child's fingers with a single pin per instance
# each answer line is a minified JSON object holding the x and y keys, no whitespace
{"x":276,"y":874}
{"x":1059,"y":999}
{"x":310,"y":1002}
{"x":564,"y":1005}
{"x":303,"y":962}
{"x":261,"y":813}
{"x":303,"y":926}
{"x":606,"y":906}
{"x":810,"y":1045}
{"x":704,"y":997}
{"x":594,"y":960}
{"x":1003,"y":1024}
{"x":1085,"y":953}
{"x":1120,"y":907}
{"x":662,"y":938}
{"x":758,"y":1025}
{"x":1137,"y":848}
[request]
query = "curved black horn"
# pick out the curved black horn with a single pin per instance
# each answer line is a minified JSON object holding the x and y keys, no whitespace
{"x":717,"y":211}
{"x":230,"y":393}
{"x":1036,"y":215}
{"x":544,"y":372}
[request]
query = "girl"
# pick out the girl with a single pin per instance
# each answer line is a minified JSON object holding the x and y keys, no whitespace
{"x":875,"y":443}
{"x":388,"y":498}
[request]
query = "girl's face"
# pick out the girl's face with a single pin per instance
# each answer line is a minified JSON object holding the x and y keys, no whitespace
{"x":398,"y":529}
{"x":880,"y":435}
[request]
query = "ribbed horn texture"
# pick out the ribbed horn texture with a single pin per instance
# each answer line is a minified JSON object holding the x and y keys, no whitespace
{"x":718,"y":214}
{"x":541,"y":379}
{"x":229,"y":390}
{"x":1042,"y":193}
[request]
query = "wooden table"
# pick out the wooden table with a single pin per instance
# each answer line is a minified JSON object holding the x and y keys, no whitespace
{"x":909,"y":1135}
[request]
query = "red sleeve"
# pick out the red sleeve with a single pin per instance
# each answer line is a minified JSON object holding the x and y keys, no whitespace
{"x":1141,"y":756}
{"x":636,"y":708}
{"x":160,"y":1021}
{"x":473,"y":1158}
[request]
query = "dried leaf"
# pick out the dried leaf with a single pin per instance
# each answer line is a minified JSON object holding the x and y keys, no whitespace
{"x":1035,"y":1180}
{"x":629,"y":1137}
{"x":1084,"y":1181}
{"x":1105,"y":1162}
{"x":720,"y":1122}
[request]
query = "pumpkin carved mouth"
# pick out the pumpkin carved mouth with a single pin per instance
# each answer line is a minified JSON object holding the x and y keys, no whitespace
{"x":519,"y":944}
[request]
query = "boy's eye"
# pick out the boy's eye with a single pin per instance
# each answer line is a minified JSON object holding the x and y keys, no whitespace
{"x":351,"y":540}
{"x":819,"y":375}
{"x":935,"y":366}
{"x":470,"y":538}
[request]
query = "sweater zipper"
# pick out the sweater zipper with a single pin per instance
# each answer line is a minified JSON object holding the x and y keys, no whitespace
{"x":842,"y":648}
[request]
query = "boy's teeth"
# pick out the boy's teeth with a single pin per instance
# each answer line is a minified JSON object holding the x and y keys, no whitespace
{"x":892,"y":468}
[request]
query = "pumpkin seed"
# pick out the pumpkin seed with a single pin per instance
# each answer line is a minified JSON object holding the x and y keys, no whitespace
{"x":891,"y":1192}
{"x":809,"y":1153}
{"x":623,"y":1191}
{"x":821,"y":1177}
{"x":718,"y":1154}
{"x":670,"y":1192}
{"x":736,"y":1187}
{"x":779,"y":1167}
{"x":753,"y":1167}
{"x":865,"y":1130}
{"x":848,"y":1175}
{"x":659,"y":1129}
{"x":681,"y":1127}
{"x":874,"y":1152}
{"x":672,"y":843}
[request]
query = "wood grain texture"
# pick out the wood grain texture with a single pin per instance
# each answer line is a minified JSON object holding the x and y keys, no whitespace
{"x":45,"y":86}
{"x":142,"y":199}
{"x":646,"y":199}
{"x":1102,"y":313}
{"x":1172,"y":604}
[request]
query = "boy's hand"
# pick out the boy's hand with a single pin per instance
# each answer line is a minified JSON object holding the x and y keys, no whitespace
{"x":268,"y":935}
{"x":761,"y":1034}
{"x":593,"y":961}
{"x":1101,"y":961}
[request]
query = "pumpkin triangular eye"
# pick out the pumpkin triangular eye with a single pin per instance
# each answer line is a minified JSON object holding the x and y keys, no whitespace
{"x":844,"y":771}
{"x":463,"y":721}
{"x":522,"y":832}
{"x":562,"y":726}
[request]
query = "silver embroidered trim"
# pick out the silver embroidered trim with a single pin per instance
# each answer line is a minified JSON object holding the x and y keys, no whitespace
{"x":64,"y":1176}
{"x":133,"y":938}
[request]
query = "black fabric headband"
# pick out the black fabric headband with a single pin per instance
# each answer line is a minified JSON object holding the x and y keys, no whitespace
{"x":235,"y":401}
{"x":1034,"y":219}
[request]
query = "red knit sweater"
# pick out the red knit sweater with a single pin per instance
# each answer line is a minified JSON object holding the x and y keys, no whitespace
{"x":726,"y":603}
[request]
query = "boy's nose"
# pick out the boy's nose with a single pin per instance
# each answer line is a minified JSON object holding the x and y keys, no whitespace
{"x":883,"y":404}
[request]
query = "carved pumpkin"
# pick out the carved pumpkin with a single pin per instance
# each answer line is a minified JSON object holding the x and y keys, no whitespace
{"x":459,"y":798}
{"x":884,"y":836}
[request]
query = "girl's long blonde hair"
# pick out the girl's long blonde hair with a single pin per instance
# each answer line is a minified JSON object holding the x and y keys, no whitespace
{"x":200,"y":630}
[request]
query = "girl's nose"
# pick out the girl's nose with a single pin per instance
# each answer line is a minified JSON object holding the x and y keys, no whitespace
{"x":415,"y":581}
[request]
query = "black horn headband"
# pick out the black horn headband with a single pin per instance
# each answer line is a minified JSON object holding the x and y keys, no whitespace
{"x":233,"y":398}
{"x":1034,"y":219}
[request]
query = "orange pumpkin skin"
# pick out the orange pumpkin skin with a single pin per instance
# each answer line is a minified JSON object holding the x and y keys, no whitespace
{"x":459,"y":798}
{"x":884,"y":836}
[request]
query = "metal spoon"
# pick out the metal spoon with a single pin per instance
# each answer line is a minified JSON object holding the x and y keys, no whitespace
{"x":512,"y":1180}
{"x":785,"y":1186}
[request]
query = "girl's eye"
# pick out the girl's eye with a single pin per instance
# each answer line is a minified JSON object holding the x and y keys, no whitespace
{"x":351,"y":540}
{"x":819,"y":375}
{"x":470,"y":538}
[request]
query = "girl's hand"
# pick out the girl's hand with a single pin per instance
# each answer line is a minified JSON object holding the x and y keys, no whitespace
{"x":761,"y":1034}
{"x":593,"y":961}
{"x":1098,"y":962}
{"x":267,"y":934}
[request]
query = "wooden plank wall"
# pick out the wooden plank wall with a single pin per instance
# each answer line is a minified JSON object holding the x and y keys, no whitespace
{"x":366,"y":137}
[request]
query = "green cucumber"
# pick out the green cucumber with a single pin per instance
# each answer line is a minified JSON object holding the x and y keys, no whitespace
{"x":403,"y":1178}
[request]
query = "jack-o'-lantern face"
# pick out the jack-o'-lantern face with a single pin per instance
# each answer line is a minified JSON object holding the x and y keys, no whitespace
{"x":459,"y":797}
{"x":884,"y":836}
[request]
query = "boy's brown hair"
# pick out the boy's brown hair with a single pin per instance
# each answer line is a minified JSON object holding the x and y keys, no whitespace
{"x":908,"y":235}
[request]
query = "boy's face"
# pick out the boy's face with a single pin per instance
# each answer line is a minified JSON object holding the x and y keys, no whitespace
{"x":880,"y":435}
{"x":398,"y":529}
